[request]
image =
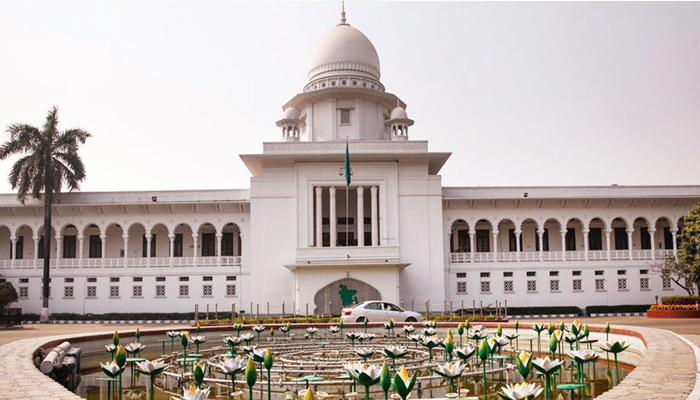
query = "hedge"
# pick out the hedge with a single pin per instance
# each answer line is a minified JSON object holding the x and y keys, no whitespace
{"x":545,"y":310}
{"x":673,"y":300}
{"x":628,"y":308}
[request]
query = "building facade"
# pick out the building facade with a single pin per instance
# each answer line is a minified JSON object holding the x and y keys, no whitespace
{"x":304,"y":239}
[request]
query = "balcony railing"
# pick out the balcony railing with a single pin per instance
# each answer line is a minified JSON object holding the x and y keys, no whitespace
{"x":369,"y":254}
{"x":535,"y":256}
{"x":153,"y":262}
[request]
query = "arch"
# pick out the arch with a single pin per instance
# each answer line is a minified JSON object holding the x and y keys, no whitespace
{"x":506,"y":219}
{"x":597,"y":221}
{"x":228,"y":224}
{"x":619,"y":219}
{"x":343,"y":293}
{"x":19,"y":229}
{"x":552,"y":221}
{"x":459,"y":223}
{"x":643,"y":218}
{"x":207,"y":237}
{"x":91,"y":229}
{"x":530,"y":220}
{"x":231,"y":241}
{"x":69,"y":229}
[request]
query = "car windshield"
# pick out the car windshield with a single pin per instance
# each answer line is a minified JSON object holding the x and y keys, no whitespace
{"x":373,"y":306}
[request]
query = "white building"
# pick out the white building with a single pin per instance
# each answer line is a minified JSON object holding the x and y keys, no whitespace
{"x":283,"y":241}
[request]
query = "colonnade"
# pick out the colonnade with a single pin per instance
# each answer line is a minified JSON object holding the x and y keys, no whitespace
{"x":359,"y":221}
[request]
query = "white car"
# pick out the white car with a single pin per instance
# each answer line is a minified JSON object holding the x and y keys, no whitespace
{"x":378,"y":311}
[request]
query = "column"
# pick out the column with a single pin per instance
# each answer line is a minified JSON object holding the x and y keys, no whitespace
{"x":171,"y":250}
{"x":219,"y":237}
{"x":494,"y":234}
{"x":651,"y":238}
{"x":333,"y":217}
{"x":629,"y":242}
{"x":375,"y":216}
{"x":236,"y":250}
{"x":319,"y":217}
{"x":585,"y":244}
{"x":517,"y":234}
{"x":104,"y":248}
{"x":360,"y":216}
{"x":148,"y":249}
{"x":674,"y":232}
{"x":59,"y":247}
{"x":126,"y":249}
{"x":472,"y":243}
{"x":13,"y":250}
{"x":540,"y":234}
{"x":607,"y":241}
{"x":563,"y":244}
{"x":36,"y":249}
{"x":194,"y":239}
{"x":81,"y":241}
{"x":455,"y":241}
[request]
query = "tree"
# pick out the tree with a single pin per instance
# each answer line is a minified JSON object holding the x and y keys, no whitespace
{"x":689,"y":249}
{"x":49,"y":160}
{"x":677,"y":271}
{"x":8,"y":295}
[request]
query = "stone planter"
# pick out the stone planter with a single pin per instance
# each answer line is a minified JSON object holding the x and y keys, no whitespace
{"x":673,"y":314}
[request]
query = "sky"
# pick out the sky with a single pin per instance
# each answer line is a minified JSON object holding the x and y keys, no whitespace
{"x":522,"y":94}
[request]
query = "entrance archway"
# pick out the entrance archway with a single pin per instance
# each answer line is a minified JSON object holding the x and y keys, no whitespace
{"x":343,"y":293}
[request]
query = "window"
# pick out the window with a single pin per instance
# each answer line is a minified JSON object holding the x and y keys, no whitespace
{"x":145,"y":243}
{"x":68,"y":280}
{"x":599,"y":273}
{"x":463,"y":242}
{"x":553,"y":273}
{"x":545,"y":240}
{"x":114,"y":291}
{"x":184,"y":279}
{"x":345,"y":117}
{"x":462,"y":287}
{"x":643,"y":272}
{"x":227,"y":244}
{"x":644,"y":238}
{"x":207,"y":278}
{"x":206,"y":290}
{"x":508,"y":274}
{"x":668,"y":238}
{"x":531,"y":286}
{"x":461,"y":274}
{"x":666,"y":283}
{"x":600,"y":285}
{"x":92,"y":280}
{"x":512,"y":244}
{"x":595,"y":239}
{"x":184,"y":291}
{"x":177,"y":245}
{"x":531,"y":273}
{"x":137,"y":291}
{"x":91,"y":292}
{"x":19,"y":248}
{"x":69,"y":246}
{"x":208,"y":244}
{"x":644,"y":284}
{"x":40,"y":252}
{"x":95,"y":246}
{"x":23,"y":280}
{"x":230,"y":290}
{"x":576,"y":273}
{"x":160,"y":290}
{"x":554,"y":286}
{"x":622,"y":272}
{"x":508,"y":286}
{"x":577,"y":285}
{"x":485,"y":274}
{"x":483,"y":244}
{"x":485,"y":287}
{"x":570,"y":239}
{"x":231,"y":278}
{"x":23,"y":292}
{"x":160,"y":279}
{"x":68,"y":292}
{"x":622,"y":284}
{"x":114,"y":279}
{"x":137,"y":279}
{"x":621,"y":239}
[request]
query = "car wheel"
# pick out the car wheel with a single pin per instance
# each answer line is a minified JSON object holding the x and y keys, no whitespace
{"x":411,"y":319}
{"x":361,"y":319}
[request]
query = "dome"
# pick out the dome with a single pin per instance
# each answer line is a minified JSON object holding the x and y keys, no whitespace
{"x":343,"y":50}
{"x":399,"y":113}
{"x":290,"y":113}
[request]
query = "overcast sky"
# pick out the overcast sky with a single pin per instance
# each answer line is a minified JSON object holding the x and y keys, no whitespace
{"x":522,"y":94}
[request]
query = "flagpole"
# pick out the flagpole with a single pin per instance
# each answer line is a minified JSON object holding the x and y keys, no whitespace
{"x":347,"y":219}
{"x":347,"y":192}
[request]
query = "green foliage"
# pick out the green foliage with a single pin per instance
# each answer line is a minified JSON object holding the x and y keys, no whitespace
{"x":680,"y":300}
{"x":8,"y":295}
{"x":628,"y":308}
{"x":689,"y":249}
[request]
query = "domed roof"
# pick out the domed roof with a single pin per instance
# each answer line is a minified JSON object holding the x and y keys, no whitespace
{"x":399,"y":113}
{"x":341,"y":51}
{"x":290,"y":113}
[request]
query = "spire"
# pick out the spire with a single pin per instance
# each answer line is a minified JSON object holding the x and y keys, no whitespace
{"x":342,"y":14}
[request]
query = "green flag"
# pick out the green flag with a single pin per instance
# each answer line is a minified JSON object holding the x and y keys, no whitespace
{"x":347,"y":164}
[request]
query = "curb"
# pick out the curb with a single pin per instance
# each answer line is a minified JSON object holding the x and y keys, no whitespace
{"x":114,"y":322}
{"x":536,"y":316}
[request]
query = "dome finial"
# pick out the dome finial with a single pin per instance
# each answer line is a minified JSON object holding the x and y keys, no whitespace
{"x":342,"y":14}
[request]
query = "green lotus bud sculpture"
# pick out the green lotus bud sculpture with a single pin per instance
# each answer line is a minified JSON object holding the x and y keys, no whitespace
{"x":138,"y":335}
{"x":449,"y":345}
{"x":403,"y":384}
{"x":115,"y":338}
{"x":607,"y":331}
{"x":484,"y":352}
{"x":499,"y":330}
{"x":524,"y":364}
{"x":198,"y":374}
{"x":385,"y":381}
{"x":251,"y":376}
{"x":267,"y":362}
{"x":120,"y":359}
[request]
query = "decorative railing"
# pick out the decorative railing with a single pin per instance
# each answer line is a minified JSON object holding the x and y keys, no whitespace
{"x":547,"y":256}
{"x":377,"y":254}
{"x":141,"y":262}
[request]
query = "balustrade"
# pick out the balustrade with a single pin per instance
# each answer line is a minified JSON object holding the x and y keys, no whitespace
{"x":548,"y":256}
{"x":141,"y":262}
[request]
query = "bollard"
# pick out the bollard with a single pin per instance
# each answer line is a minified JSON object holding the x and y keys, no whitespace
{"x":251,"y":308}
{"x":268,"y":309}
{"x":283,"y":309}
{"x":216,"y":311}
{"x":481,"y":307}
{"x":461,"y":309}
{"x":412,"y":306}
{"x":294,"y":307}
{"x":207,"y":314}
{"x":330,"y":313}
{"x":233,"y":311}
{"x":427,"y":309}
{"x":257,"y":310}
{"x":307,"y":310}
{"x":450,"y":308}
{"x":473,"y":307}
{"x":506,"y":308}
{"x":196,"y":313}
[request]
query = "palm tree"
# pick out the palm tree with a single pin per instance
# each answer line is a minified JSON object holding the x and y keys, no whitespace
{"x":49,"y":160}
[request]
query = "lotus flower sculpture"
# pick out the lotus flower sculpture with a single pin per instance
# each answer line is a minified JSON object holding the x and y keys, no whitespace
{"x":429,"y":332}
{"x":111,"y":348}
{"x":403,"y":384}
{"x":232,"y":342}
{"x":333,"y":329}
{"x":394,"y":352}
{"x":547,"y":367}
{"x":353,"y":336}
{"x":430,"y":342}
{"x":267,"y":362}
{"x":364,"y":374}
{"x":366,"y":336}
{"x":365,"y":322}
{"x":466,"y":352}
{"x":364,"y":352}
{"x":238,"y":328}
{"x":484,"y":352}
{"x":134,"y":348}
{"x":151,"y":368}
{"x":460,"y":332}
{"x":615,"y":348}
{"x":115,"y":338}
{"x":247,"y":338}
{"x":539,"y":328}
{"x":476,"y":335}
{"x":195,"y":393}
{"x":520,"y":391}
{"x":430,"y":323}
{"x":258,"y":330}
{"x":172,"y":335}
{"x":582,"y":357}
{"x":120,"y":360}
{"x":451,"y":371}
{"x":184,"y":341}
{"x":198,"y":340}
{"x":311,"y":331}
{"x":285,"y":329}
{"x":408,"y":329}
{"x":231,"y":366}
